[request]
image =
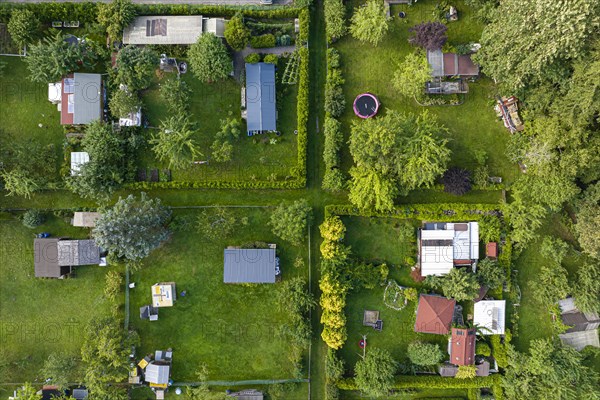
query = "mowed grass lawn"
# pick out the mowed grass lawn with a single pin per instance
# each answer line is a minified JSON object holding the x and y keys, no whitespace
{"x":24,"y":106}
{"x":473,"y":125}
{"x":254,"y":158}
{"x":42,"y":316}
{"x":230,"y":328}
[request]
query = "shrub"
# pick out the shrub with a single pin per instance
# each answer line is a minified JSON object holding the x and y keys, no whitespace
{"x":428,"y":35}
{"x":176,"y":94}
{"x":123,"y":102}
{"x":263,"y":41}
{"x":236,"y":34}
{"x":375,"y":372}
{"x":252,"y":58}
{"x":209,"y":59}
{"x":424,"y":354}
{"x":483,"y":349}
{"x":333,"y":229}
{"x":335,"y":103}
{"x":290,"y":221}
{"x":466,"y":372}
{"x":334,"y":367}
{"x":33,"y":218}
{"x":490,"y":273}
{"x":271,"y":59}
{"x":457,"y":181}
{"x":114,"y":285}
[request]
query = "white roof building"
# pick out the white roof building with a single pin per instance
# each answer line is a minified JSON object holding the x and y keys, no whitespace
{"x":133,"y":119}
{"x":489,"y":315}
{"x":78,"y":158}
{"x":163,"y":294}
{"x":171,"y":29}
{"x":444,"y":245}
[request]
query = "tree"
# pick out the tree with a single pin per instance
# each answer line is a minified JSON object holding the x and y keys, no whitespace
{"x":252,"y":58}
{"x":586,"y":290}
{"x":550,"y":371}
{"x":525,"y":43}
{"x":135,"y":67}
{"x":105,"y":354}
{"x":466,"y":372}
{"x":132,"y":228}
{"x":22,"y":26}
{"x":202,"y":391}
{"x":458,"y":284}
{"x":114,"y":285}
{"x":394,"y":154}
{"x":59,"y":369}
{"x":27,"y":392}
{"x":490,"y":273}
{"x":375,"y":372}
{"x":333,"y":229}
{"x":217,"y":223}
{"x":524,"y":219}
{"x":457,"y":181}
{"x":334,"y":367}
{"x":335,"y":19}
{"x":236,"y":33}
{"x":123,"y":102}
{"x":412,"y":74}
{"x":290,"y":221}
{"x":26,"y":167}
{"x":428,"y":35}
{"x":424,"y":354}
{"x":369,"y":23}
{"x":33,"y":218}
{"x":175,"y":142}
{"x":116,"y":15}
{"x":554,"y":248}
{"x":209,"y":59}
{"x":52,"y":58}
{"x":587,"y":228}
{"x":98,"y":178}
{"x":222,"y":148}
{"x":271,"y":59}
{"x":551,"y":284}
{"x":176,"y":94}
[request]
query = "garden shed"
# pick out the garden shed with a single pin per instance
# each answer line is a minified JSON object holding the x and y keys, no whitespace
{"x":583,"y":329}
{"x":250,"y":266}
{"x":163,"y":294}
{"x":54,"y":258}
{"x":171,"y":29}
{"x":489,"y":315}
{"x":78,"y":159}
{"x":85,"y":219}
{"x":261,"y":111}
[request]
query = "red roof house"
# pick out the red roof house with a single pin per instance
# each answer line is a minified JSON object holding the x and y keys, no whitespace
{"x":434,"y":314}
{"x":462,"y":348}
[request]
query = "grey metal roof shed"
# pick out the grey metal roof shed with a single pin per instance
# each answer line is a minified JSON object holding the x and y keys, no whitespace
{"x":157,"y":374}
{"x":87,"y":95}
{"x":261,"y":98}
{"x":249,"y":266}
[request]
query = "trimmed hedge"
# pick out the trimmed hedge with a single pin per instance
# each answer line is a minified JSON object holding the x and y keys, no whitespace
{"x":251,"y":11}
{"x":428,"y":211}
{"x":47,"y":12}
{"x":263,"y":41}
{"x":432,"y":382}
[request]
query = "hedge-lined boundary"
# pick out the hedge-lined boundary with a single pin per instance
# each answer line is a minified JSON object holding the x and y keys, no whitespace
{"x":437,"y":382}
{"x":86,"y":12}
{"x":426,"y":211}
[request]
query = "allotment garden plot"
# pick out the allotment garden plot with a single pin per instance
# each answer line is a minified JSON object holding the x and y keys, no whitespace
{"x":231,"y":328}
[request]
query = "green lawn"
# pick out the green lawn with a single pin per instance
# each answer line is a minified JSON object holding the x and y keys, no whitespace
{"x":377,"y":240}
{"x":429,"y":394}
{"x":231,"y":328}
{"x":42,"y":316}
{"x":473,"y":125}
{"x":23,"y":107}
{"x":254,"y":157}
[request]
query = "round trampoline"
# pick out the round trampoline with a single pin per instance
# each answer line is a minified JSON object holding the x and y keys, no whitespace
{"x":366,"y":105}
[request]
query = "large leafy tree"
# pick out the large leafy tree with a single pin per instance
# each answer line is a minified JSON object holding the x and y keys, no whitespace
{"x":132,"y":228}
{"x":28,"y":392}
{"x":104,"y":173}
{"x":22,"y":26}
{"x":375,"y":372}
{"x":588,"y":228}
{"x":52,"y":58}
{"x":209,"y":59}
{"x":412,"y":74}
{"x":424,"y":354}
{"x":175,"y":143}
{"x":551,"y":284}
{"x":394,"y":154}
{"x":135,"y":67}
{"x":428,"y":35}
{"x":490,"y":273}
{"x":289,"y":221}
{"x":123,"y":102}
{"x":236,"y":33}
{"x":369,"y":23}
{"x":59,"y":368}
{"x":550,"y":371}
{"x":26,"y":168}
{"x":526,"y":42}
{"x":335,"y":19}
{"x":116,"y":15}
{"x":105,"y":354}
{"x":458,"y":284}
{"x":586,"y":290}
{"x":457,"y":181}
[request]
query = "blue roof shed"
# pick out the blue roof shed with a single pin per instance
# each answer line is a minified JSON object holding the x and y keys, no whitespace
{"x":260,"y":98}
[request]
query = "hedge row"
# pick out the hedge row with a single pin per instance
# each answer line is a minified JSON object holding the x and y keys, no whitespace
{"x":333,"y":178}
{"x":47,"y":12}
{"x":263,"y":41}
{"x":432,"y":382}
{"x":426,"y":212}
{"x":289,"y":184}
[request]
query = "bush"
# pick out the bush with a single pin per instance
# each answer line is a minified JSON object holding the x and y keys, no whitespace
{"x":263,"y":41}
{"x":333,"y":229}
{"x":236,"y":34}
{"x":457,"y":181}
{"x":290,"y":221}
{"x":271,"y":59}
{"x":252,"y":58}
{"x":33,"y":218}
{"x":424,"y":354}
{"x":483,"y":349}
{"x":114,"y":285}
{"x":490,"y":273}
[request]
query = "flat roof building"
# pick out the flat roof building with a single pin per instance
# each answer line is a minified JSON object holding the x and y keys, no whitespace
{"x":53,"y":257}
{"x":445,"y":245}
{"x":80,"y":98}
{"x":163,"y":294}
{"x":489,"y":315}
{"x":261,"y":110}
{"x":171,"y":29}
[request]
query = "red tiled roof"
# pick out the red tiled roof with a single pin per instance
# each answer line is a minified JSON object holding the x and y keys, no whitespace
{"x":434,"y":314}
{"x":462,"y":349}
{"x":491,"y":250}
{"x":461,"y":65}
